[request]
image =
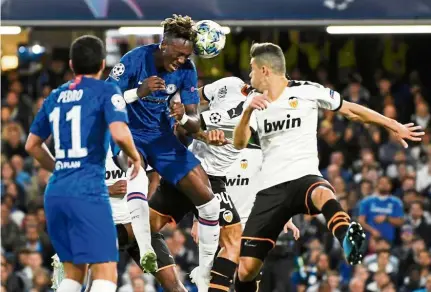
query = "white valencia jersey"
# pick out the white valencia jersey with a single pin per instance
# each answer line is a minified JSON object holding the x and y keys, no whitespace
{"x":242,"y":182}
{"x":287,"y":130}
{"x":226,"y":101}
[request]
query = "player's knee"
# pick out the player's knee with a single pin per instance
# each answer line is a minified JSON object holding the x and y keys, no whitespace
{"x":104,"y":271}
{"x":157,"y":222}
{"x":320,"y":196}
{"x":210,"y":211}
{"x":246,"y":270}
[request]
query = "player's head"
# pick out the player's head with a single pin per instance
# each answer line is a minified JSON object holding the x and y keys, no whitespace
{"x":87,"y":56}
{"x":179,"y":34}
{"x":267,"y":60}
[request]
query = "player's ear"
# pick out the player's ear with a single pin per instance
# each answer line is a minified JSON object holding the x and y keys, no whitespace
{"x":102,"y":67}
{"x":71,"y":65}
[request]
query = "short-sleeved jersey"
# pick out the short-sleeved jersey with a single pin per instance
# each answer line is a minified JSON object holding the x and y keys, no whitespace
{"x":150,"y":115}
{"x":77,"y":115}
{"x":287,"y":131}
{"x":374,"y":206}
{"x":226,"y":99}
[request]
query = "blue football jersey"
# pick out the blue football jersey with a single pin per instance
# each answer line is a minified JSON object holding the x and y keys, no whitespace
{"x":151,"y":114}
{"x":77,"y":115}
{"x":373,"y":206}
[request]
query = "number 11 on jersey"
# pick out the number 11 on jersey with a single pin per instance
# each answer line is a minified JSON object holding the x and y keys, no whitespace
{"x":74,"y":116}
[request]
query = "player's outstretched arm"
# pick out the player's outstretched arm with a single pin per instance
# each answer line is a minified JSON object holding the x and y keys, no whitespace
{"x":122,"y":137}
{"x":36,"y":147}
{"x":242,"y":132}
{"x":187,"y":116}
{"x":365,"y":115}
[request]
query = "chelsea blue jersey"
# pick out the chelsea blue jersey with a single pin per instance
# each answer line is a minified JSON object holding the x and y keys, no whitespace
{"x":151,"y":114}
{"x":77,"y":115}
{"x":389,"y":206}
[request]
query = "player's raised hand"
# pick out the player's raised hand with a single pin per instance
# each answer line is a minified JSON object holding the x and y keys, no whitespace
{"x":217,"y":138}
{"x":177,"y":110}
{"x":119,"y":188}
{"x":260,"y":102}
{"x":407,"y":132}
{"x":291,"y":226}
{"x":150,"y":85}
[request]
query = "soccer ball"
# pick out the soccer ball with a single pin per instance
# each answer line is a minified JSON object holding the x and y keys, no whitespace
{"x":210,"y":39}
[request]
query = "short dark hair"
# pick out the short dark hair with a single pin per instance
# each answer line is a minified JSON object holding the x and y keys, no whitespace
{"x":179,"y":26}
{"x":269,"y":54}
{"x":87,"y":54}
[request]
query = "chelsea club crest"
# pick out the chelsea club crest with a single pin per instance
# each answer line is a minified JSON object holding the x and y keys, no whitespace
{"x":171,"y":88}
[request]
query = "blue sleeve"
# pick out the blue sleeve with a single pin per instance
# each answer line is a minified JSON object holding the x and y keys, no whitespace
{"x":41,"y":126}
{"x":398,"y":210}
{"x":189,"y":91}
{"x":363,"y":208}
{"x":123,"y":73}
{"x":114,"y":105}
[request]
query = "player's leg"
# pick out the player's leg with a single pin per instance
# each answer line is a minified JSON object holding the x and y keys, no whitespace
{"x":269,"y":214}
{"x":140,"y":219}
{"x":182,"y":169}
{"x":320,"y":198}
{"x":225,"y":264}
{"x":69,"y":277}
{"x":197,"y":188}
{"x":94,"y":241}
{"x":167,"y":205}
{"x":166,"y":275}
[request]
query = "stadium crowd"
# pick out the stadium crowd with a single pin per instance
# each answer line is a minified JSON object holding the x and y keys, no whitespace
{"x":379,"y":182}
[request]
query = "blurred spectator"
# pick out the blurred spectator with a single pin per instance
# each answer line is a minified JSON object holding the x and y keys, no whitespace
{"x":12,"y":143}
{"x":11,"y":237}
{"x":423,"y":182}
{"x":422,"y":116}
{"x":9,"y":280}
{"x":132,"y":280}
{"x":19,"y":111}
{"x":420,"y":221}
{"x":22,"y":177}
{"x":381,"y":213}
{"x":356,"y":285}
{"x":381,"y":281}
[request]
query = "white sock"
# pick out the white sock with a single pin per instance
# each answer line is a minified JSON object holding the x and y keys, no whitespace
{"x":139,"y":211}
{"x":88,"y":281}
{"x":69,"y":285}
{"x":209,"y":231}
{"x":103,"y":286}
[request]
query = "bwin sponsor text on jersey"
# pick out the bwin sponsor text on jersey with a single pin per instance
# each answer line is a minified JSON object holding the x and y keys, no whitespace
{"x":289,"y":123}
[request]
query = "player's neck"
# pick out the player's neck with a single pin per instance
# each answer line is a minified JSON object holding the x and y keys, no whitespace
{"x":277,"y":84}
{"x":158,"y":60}
{"x":94,"y":76}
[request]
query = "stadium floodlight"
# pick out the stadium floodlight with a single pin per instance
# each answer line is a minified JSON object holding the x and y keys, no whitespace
{"x":151,"y":30}
{"x":11,"y":30}
{"x":140,"y":30}
{"x":378,"y":29}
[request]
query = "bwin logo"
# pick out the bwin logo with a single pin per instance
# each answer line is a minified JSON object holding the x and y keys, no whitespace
{"x":114,"y":174}
{"x":238,"y":181}
{"x":281,"y":125}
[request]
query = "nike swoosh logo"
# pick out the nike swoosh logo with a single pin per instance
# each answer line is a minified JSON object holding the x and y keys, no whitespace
{"x":140,"y":82}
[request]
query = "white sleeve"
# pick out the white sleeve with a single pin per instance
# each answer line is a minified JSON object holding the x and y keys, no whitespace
{"x":216,"y":119}
{"x":326,"y":98}
{"x":214,"y":90}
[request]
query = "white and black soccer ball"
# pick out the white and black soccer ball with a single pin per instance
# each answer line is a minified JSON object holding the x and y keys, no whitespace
{"x":210,"y":39}
{"x":215,"y":118}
